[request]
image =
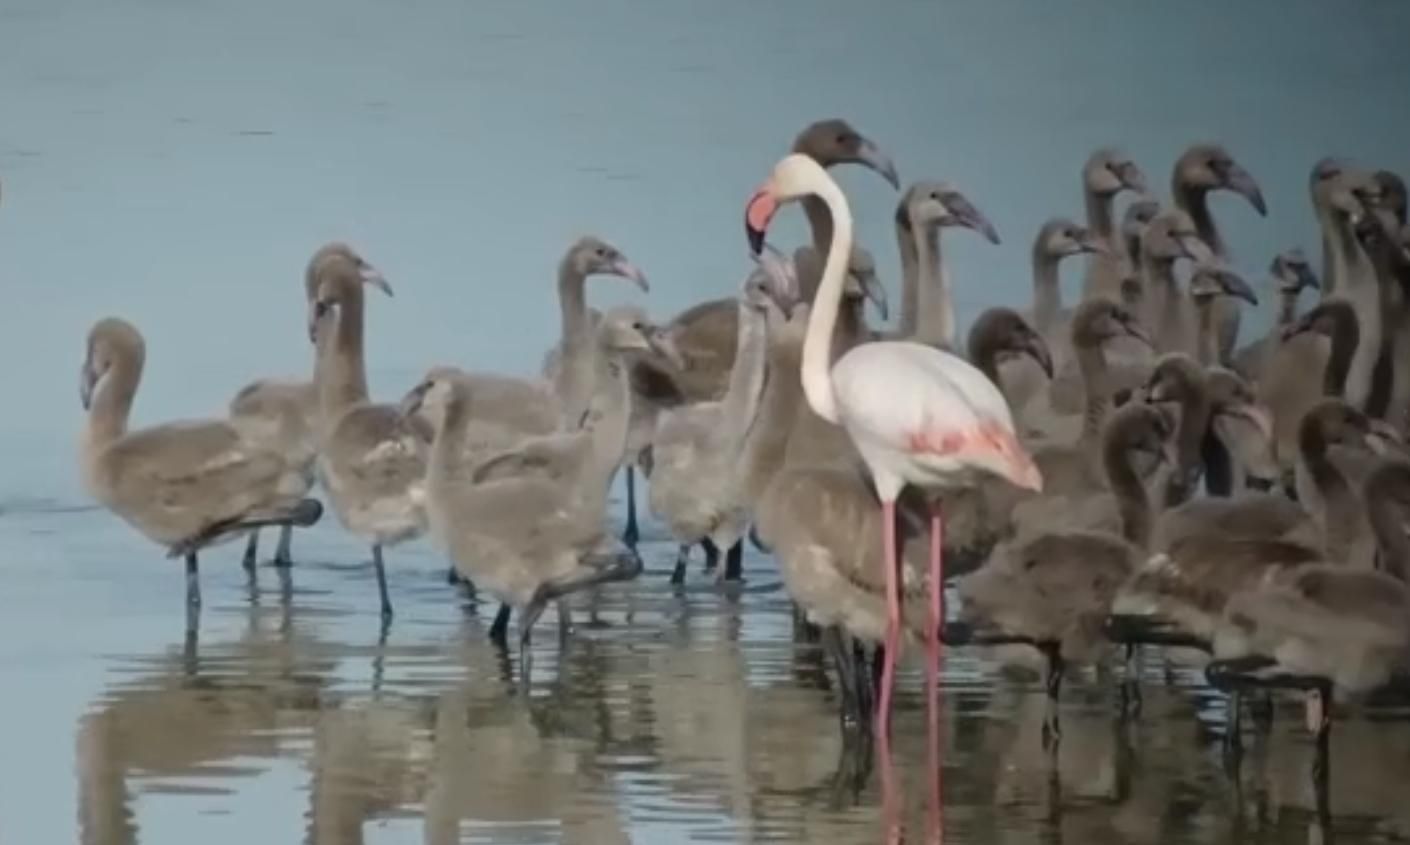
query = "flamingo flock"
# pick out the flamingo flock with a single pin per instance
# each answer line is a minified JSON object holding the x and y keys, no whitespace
{"x":1122,"y":474}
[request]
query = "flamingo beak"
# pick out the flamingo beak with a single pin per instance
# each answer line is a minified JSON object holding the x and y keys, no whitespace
{"x":760,"y":211}
{"x":87,"y":380}
{"x":1234,"y":285}
{"x":372,"y":276}
{"x":1037,"y":348}
{"x":870,"y":155}
{"x":1025,"y":472}
{"x":632,"y":273}
{"x":665,"y":345}
{"x":1241,"y":182}
{"x":411,"y":402}
{"x":1132,"y":179}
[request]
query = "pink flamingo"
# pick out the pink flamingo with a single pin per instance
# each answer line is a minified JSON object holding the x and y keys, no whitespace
{"x":918,"y":416}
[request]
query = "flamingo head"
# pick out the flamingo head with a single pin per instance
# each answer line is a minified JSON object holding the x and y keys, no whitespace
{"x":795,"y":176}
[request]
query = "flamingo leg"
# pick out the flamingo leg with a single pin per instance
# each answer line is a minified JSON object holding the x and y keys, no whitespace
{"x":932,"y":666}
{"x":893,"y":620}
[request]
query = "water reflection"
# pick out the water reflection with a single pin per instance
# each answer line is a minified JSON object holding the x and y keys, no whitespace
{"x":682,"y":712}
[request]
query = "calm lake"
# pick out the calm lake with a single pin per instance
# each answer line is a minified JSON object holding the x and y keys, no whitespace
{"x":177,"y":163}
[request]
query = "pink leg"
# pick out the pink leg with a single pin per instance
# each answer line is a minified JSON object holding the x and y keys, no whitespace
{"x":893,"y":620}
{"x":932,"y":667}
{"x":891,"y":811}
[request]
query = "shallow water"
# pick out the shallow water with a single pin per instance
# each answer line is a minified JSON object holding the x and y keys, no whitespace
{"x":177,"y":163}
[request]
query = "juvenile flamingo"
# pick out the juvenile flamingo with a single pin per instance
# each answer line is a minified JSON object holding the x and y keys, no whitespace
{"x":918,"y":416}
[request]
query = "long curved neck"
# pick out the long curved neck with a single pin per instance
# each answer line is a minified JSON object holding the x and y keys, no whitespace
{"x":766,"y":445}
{"x":1287,"y":310}
{"x":1345,"y":339}
{"x":1132,"y":245}
{"x":816,"y":370}
{"x":448,"y":452}
{"x":1194,"y":201}
{"x":1132,"y":501}
{"x":984,"y":355}
{"x":1206,"y":341}
{"x":1099,"y":217}
{"x":608,"y":420}
{"x":746,"y":377}
{"x":1325,"y":491}
{"x":1162,"y":301}
{"x":1195,"y":407}
{"x":572,"y":305}
{"x":1047,"y":290}
{"x":112,"y":402}
{"x":935,"y":323}
{"x":1096,"y":387}
{"x":910,"y":274}
{"x":344,"y":371}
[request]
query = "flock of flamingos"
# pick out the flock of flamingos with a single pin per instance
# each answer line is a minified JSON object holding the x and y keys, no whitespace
{"x":1052,"y":458}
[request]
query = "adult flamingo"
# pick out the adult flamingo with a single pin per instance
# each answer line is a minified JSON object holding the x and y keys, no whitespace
{"x":918,"y":416}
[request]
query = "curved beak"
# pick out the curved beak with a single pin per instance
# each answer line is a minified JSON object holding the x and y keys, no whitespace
{"x":87,"y":380}
{"x":664,"y":344}
{"x":1254,"y":414}
{"x":1232,"y":284}
{"x":1194,"y":248}
{"x":758,"y":213}
{"x":875,"y":291}
{"x":1089,"y":242}
{"x":629,"y":271}
{"x":1241,"y":182}
{"x":372,"y":276}
{"x":1302,"y":272}
{"x":1132,"y":179}
{"x":965,"y":214}
{"x":411,"y":402}
{"x":870,"y":155}
{"x":1384,"y":440}
{"x":1037,"y":348}
{"x":1132,"y":329}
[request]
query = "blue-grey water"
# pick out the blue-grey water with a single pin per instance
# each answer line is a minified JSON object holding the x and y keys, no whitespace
{"x":176,"y":164}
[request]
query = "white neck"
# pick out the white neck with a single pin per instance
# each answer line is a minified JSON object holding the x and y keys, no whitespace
{"x":816,"y":372}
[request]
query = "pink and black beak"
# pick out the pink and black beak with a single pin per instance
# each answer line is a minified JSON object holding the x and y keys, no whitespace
{"x":757,"y":215}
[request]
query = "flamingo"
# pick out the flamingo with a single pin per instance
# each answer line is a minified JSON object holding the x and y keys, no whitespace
{"x":917,"y":415}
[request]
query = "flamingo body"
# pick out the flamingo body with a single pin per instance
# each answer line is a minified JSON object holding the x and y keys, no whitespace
{"x":923,"y":416}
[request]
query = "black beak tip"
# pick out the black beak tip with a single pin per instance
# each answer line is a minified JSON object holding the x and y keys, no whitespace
{"x":756,"y":239}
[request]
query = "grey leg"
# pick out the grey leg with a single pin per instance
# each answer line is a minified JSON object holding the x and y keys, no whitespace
{"x":251,"y":551}
{"x":631,"y":535}
{"x":1052,"y":729}
{"x":682,"y":558}
{"x":499,"y":629}
{"x":382,"y":581}
{"x":842,"y":660}
{"x":282,"y":555}
{"x":712,"y":554}
{"x":734,"y":562}
{"x":565,"y":621}
{"x":527,"y":617}
{"x":193,"y":581}
{"x":1233,"y":724}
